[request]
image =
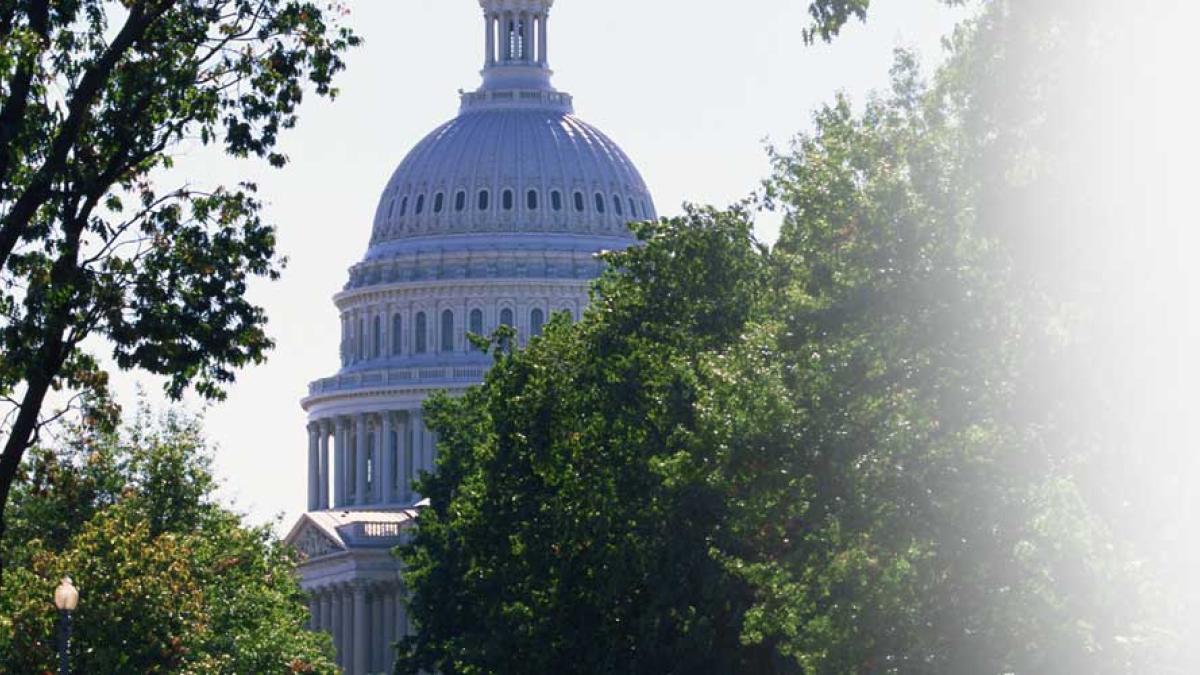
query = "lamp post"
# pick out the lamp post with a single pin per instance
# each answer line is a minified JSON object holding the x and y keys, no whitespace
{"x":66,"y":598}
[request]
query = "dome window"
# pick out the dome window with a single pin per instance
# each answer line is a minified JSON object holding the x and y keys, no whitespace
{"x":531,"y":200}
{"x":447,"y":331}
{"x":579,"y":202}
{"x":556,"y":200}
{"x":599,"y":203}
{"x":391,"y":207}
{"x":421,"y":334}
{"x":397,"y":343}
{"x":404,"y":207}
{"x":484,"y":200}
{"x":633,"y":208}
{"x":439,"y":201}
{"x":460,"y":200}
{"x":506,"y":200}
{"x":537,"y":319}
{"x":420,"y":204}
{"x":617,"y":205}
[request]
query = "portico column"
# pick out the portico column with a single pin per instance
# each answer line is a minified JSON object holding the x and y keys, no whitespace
{"x":402,"y":627}
{"x":360,"y":655}
{"x":339,"y":469}
{"x":326,"y":611}
{"x":335,"y":621}
{"x":314,"y":468}
{"x":323,"y":469}
{"x":360,"y":442}
{"x":387,"y":597}
{"x":378,"y":637}
{"x":387,"y":459}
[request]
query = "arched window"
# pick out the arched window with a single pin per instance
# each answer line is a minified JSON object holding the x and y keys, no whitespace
{"x":404,"y":206}
{"x":483,"y":200}
{"x":556,"y":200}
{"x":397,"y":342}
{"x":377,"y":335}
{"x":599,"y":203}
{"x":617,"y":205}
{"x":447,"y":331}
{"x":476,"y":325}
{"x":506,"y":317}
{"x":391,"y":207}
{"x":439,"y":201}
{"x":632,"y":208}
{"x":531,"y":200}
{"x":537,"y":319}
{"x":420,"y":204}
{"x":579,"y":202}
{"x":460,"y":200}
{"x":421,"y":334}
{"x":506,"y":200}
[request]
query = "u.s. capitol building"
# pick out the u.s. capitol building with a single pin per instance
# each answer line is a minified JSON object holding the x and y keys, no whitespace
{"x":493,"y":218}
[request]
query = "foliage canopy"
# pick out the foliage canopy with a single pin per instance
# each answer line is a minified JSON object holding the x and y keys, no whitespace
{"x":96,"y":99}
{"x":849,"y":453}
{"x":170,"y":582}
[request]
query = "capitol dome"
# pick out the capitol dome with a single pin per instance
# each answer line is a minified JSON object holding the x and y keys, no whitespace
{"x":493,"y":219}
{"x":512,"y":164}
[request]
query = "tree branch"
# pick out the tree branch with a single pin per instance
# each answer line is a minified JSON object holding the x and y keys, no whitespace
{"x":36,"y":193}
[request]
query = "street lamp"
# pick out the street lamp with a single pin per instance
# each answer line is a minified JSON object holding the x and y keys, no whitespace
{"x":66,"y":599}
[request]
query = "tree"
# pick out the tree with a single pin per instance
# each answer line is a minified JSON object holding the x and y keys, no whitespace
{"x":95,"y":97}
{"x":581,"y":447}
{"x":170,"y":581}
{"x":852,"y":452}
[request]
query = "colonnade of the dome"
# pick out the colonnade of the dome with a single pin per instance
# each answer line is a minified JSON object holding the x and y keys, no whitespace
{"x":374,"y":458}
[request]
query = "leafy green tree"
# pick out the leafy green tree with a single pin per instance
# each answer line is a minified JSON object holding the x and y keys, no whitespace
{"x":849,"y":454}
{"x":96,"y":98}
{"x":566,"y":531}
{"x":170,"y":581}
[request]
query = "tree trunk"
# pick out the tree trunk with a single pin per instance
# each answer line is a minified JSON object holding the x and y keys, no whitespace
{"x":14,"y":450}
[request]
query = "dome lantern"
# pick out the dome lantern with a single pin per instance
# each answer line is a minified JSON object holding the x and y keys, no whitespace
{"x":516,"y":45}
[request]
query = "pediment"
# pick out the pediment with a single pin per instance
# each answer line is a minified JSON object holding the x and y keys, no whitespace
{"x":311,"y":542}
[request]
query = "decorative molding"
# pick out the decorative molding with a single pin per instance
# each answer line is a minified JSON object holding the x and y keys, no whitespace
{"x":310,"y":542}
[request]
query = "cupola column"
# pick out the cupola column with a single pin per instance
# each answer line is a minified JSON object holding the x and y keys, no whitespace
{"x":490,"y":39}
{"x":543,"y":43}
{"x":506,"y":36}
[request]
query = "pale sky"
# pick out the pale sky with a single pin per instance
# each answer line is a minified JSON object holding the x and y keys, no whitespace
{"x":690,"y":89}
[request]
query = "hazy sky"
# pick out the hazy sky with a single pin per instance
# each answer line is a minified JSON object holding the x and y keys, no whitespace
{"x":691,"y":89}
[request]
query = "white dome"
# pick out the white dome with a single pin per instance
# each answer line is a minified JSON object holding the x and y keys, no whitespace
{"x":512,"y":166}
